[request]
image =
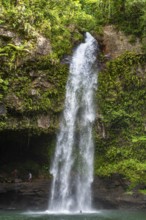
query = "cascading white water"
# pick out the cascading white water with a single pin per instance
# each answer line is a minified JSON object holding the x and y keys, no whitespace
{"x":72,"y":168}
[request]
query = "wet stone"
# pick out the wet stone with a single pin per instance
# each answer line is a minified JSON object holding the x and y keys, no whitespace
{"x":3,"y":110}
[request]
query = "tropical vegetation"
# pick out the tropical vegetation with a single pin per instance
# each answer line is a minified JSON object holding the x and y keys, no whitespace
{"x":121,"y":95}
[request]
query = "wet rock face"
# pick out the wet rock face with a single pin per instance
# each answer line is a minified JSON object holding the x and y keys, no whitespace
{"x":108,"y":193}
{"x":117,"y":43}
{"x":111,"y":193}
{"x":25,"y":196}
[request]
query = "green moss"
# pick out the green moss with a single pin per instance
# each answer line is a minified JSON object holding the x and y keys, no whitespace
{"x":32,"y":85}
{"x":121,"y":99}
{"x":142,"y":191}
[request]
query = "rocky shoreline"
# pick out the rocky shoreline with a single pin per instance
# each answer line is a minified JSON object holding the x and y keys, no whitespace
{"x":24,"y":195}
{"x":107,"y":194}
{"x":113,"y":193}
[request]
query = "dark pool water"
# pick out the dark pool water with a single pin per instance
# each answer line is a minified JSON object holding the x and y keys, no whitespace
{"x":101,"y":215}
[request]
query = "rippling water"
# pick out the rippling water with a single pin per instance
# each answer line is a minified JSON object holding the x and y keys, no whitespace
{"x":101,"y":215}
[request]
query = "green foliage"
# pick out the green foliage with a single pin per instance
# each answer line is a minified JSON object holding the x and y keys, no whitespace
{"x":45,"y":92}
{"x":60,"y":21}
{"x":142,"y":191}
{"x":130,"y":168}
{"x":64,"y":21}
{"x":122,"y":100}
{"x":132,"y":18}
{"x":139,"y":139}
{"x":12,"y":54}
{"x":3,"y":87}
{"x":127,"y":15}
{"x":35,"y":86}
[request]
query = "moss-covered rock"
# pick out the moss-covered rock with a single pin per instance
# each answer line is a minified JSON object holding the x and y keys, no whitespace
{"x":32,"y":86}
{"x":121,"y":103}
{"x":34,"y":37}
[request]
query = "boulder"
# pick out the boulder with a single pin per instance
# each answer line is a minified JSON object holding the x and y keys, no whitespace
{"x":43,"y":121}
{"x":43,"y":46}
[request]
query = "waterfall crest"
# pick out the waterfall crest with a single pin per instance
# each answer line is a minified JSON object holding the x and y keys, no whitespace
{"x":72,"y":167}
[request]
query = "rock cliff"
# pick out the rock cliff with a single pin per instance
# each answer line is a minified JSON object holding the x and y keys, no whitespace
{"x":33,"y":90}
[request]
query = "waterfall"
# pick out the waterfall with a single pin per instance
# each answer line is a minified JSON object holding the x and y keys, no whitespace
{"x":72,"y":167}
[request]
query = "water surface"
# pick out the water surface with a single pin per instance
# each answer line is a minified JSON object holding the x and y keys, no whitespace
{"x":101,"y":215}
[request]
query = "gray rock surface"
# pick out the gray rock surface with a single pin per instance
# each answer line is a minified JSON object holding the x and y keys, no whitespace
{"x":25,"y":195}
{"x":117,"y":43}
{"x":113,"y":193}
{"x":109,"y":193}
